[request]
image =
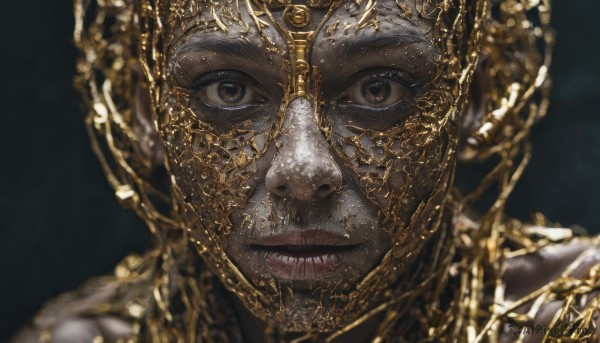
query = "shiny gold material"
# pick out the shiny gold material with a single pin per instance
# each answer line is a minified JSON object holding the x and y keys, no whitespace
{"x":319,"y":3}
{"x":490,"y":128}
{"x":297,"y":15}
{"x":301,"y":67}
{"x":450,"y":291}
{"x":277,"y":3}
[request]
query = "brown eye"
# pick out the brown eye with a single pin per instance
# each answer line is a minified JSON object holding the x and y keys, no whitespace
{"x":375,"y":92}
{"x":230,"y":94}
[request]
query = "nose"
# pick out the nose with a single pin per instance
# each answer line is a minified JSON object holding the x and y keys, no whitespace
{"x":303,"y":168}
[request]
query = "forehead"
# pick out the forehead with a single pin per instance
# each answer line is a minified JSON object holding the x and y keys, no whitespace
{"x":199,"y":21}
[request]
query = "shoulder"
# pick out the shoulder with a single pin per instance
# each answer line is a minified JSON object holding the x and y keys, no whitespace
{"x":77,"y":317}
{"x":76,"y":330}
{"x":528,"y":272}
{"x":561,"y":283}
{"x":101,"y":310}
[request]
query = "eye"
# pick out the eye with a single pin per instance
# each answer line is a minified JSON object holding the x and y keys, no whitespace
{"x":378,"y":91}
{"x":227,"y":94}
{"x":228,"y":89}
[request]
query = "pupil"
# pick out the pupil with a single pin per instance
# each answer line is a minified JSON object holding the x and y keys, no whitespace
{"x":231,"y":92}
{"x":376,"y":92}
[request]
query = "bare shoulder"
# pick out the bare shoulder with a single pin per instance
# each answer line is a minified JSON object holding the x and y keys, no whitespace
{"x":74,"y":318}
{"x":77,"y":330}
{"x":577,"y":263}
{"x":529,"y":272}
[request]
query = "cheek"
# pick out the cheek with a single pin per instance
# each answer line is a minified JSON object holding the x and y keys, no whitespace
{"x":414,"y":163}
{"x":399,"y":168}
{"x":213,"y":170}
{"x":396,"y":169}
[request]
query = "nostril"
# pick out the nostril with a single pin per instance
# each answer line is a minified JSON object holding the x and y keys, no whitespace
{"x":281,"y":188}
{"x":324,"y":191}
{"x":324,"y":188}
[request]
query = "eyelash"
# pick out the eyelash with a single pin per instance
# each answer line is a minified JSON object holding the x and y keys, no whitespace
{"x":222,"y":75}
{"x":398,"y":75}
{"x":406,"y":80}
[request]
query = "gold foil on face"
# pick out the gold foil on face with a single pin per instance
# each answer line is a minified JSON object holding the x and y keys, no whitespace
{"x":452,"y":289}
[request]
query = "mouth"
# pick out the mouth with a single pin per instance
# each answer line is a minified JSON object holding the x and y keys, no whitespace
{"x":307,"y":256}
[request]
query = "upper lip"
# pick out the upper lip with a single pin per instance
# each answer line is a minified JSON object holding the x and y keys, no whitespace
{"x":304,"y":238}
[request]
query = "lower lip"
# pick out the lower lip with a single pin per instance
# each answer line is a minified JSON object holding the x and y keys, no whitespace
{"x":302,"y":266}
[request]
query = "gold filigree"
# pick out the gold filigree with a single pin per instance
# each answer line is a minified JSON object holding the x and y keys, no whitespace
{"x":451,"y":292}
{"x":297,"y":15}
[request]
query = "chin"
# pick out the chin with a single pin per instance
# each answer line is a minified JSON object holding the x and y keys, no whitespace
{"x":303,"y":312}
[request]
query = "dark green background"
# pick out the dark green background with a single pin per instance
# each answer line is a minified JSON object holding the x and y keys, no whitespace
{"x":61,"y":225}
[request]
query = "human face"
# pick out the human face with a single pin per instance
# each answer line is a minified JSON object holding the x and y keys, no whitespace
{"x":307,"y":195}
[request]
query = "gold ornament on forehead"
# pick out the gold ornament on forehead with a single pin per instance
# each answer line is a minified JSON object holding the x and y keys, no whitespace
{"x":297,"y":17}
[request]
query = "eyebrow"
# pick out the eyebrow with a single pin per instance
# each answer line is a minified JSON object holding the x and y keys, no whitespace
{"x":356,"y":47}
{"x":238,"y":48}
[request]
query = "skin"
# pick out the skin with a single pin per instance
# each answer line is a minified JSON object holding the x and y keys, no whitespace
{"x":305,"y":188}
{"x":300,"y":177}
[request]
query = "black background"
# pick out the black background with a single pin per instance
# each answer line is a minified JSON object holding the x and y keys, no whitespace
{"x":60,"y":223}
